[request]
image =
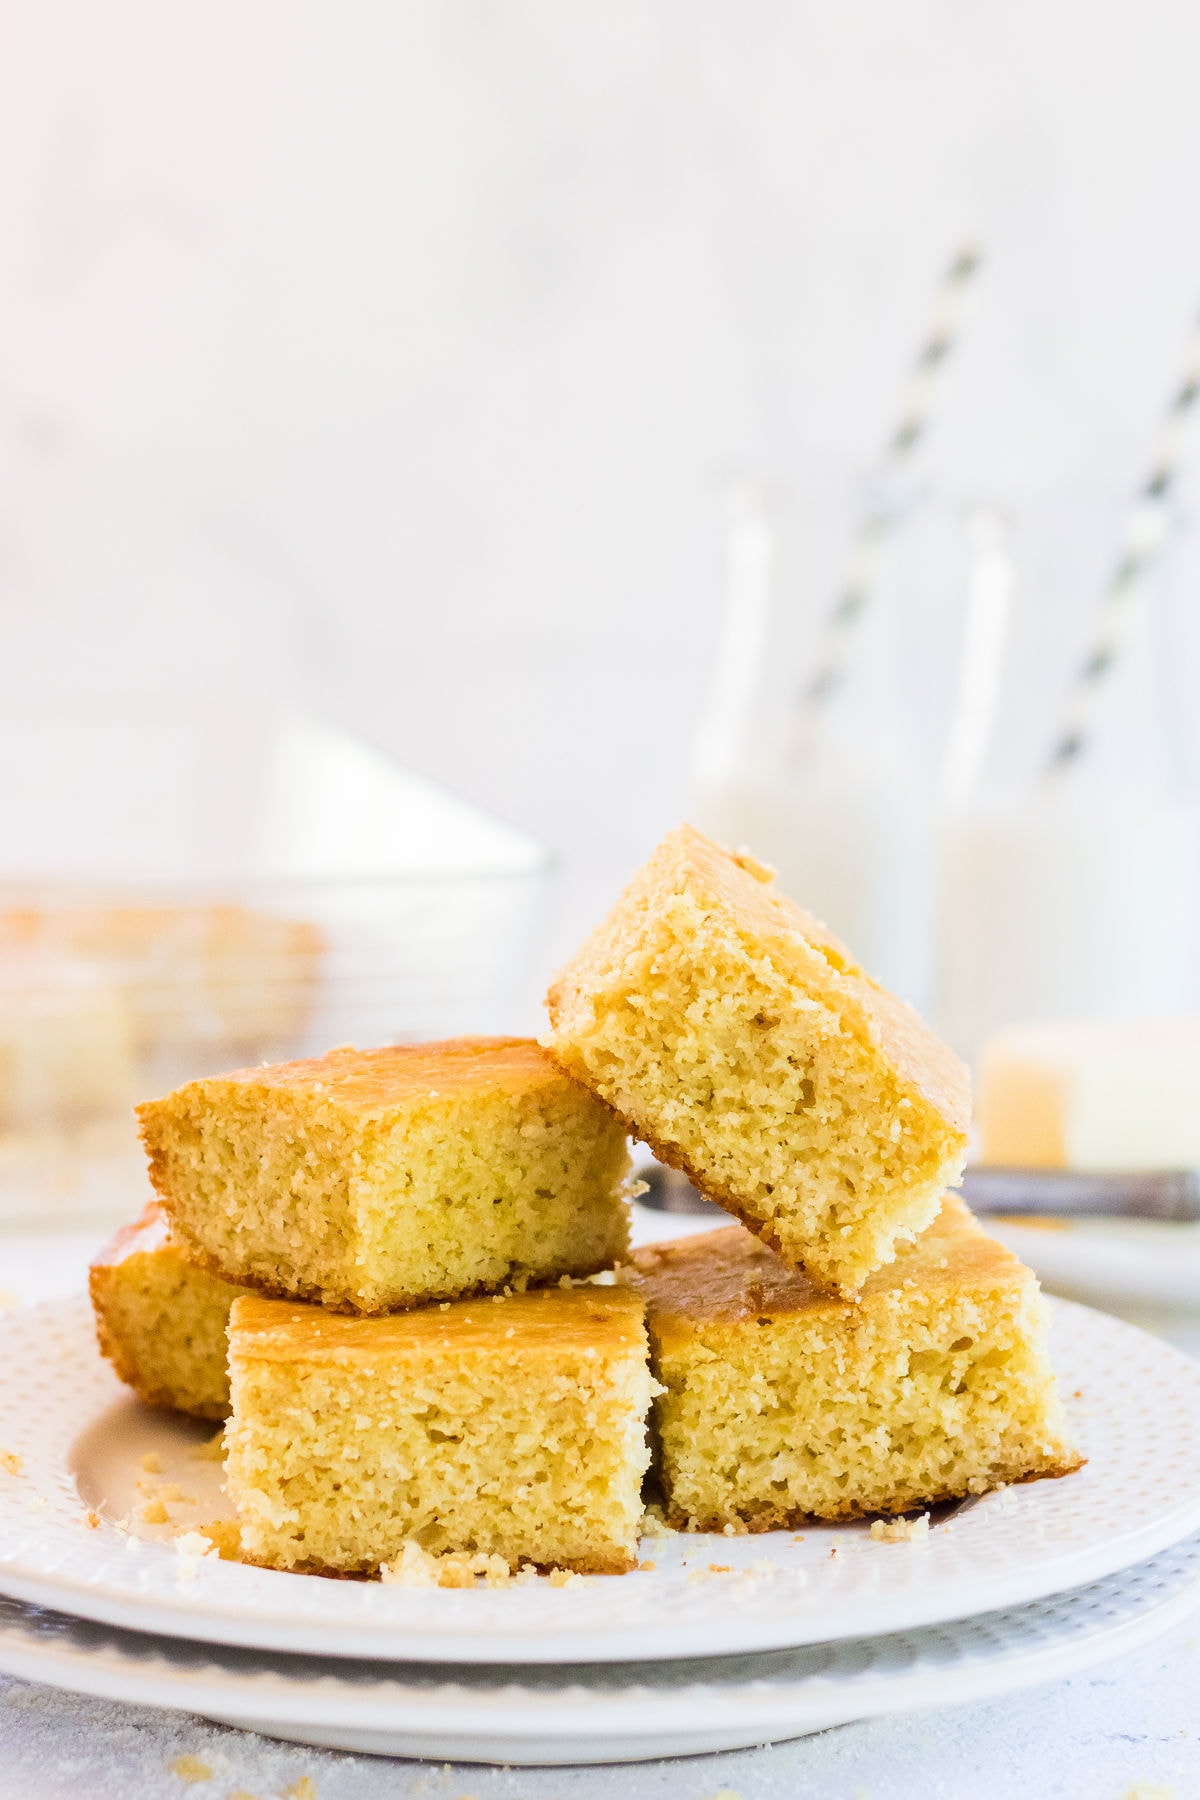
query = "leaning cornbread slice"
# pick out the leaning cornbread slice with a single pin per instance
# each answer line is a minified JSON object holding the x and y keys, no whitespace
{"x":784,"y":1404}
{"x":738,"y":1038}
{"x":513,"y":1427}
{"x":161,"y":1321}
{"x":371,"y":1180}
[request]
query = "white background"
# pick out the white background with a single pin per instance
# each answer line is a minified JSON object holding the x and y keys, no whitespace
{"x":387,"y":357}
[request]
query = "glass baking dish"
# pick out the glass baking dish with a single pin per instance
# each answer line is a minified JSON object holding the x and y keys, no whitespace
{"x":189,"y":890}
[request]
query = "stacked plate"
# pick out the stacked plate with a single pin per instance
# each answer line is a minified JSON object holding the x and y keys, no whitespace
{"x":713,"y":1643}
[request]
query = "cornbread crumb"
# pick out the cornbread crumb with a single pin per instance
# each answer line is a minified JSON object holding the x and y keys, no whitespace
{"x":190,"y":1769}
{"x":327,"y":1179}
{"x":416,"y":1568}
{"x":151,"y":1463}
{"x":654,"y":1525}
{"x":304,"y":1789}
{"x":646,"y":1567}
{"x":350,"y":1437}
{"x":741,"y":1042}
{"x":563,"y":1578}
{"x":1149,"y":1790}
{"x":933,"y":1385}
{"x":91,"y":1520}
{"x":153,"y":1512}
{"x":11,"y":1463}
{"x":195,"y":1543}
{"x":212,"y":1450}
{"x":225,"y":1538}
{"x":900,"y":1531}
{"x":161,"y":1321}
{"x":173,"y":1494}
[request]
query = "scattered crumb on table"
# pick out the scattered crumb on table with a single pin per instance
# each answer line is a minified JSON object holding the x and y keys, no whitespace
{"x":11,"y":1463}
{"x":190,"y":1769}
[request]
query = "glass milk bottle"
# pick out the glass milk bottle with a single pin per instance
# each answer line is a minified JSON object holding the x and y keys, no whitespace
{"x":809,"y":756}
{"x":1068,"y":847}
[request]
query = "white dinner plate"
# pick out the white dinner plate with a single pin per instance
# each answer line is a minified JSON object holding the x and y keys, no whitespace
{"x":81,"y":1438}
{"x":601,"y":1712}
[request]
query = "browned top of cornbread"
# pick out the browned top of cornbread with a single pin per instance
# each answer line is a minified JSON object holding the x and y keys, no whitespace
{"x":558,"y":1320}
{"x":395,"y":1075}
{"x":143,"y":1235}
{"x":745,"y":891}
{"x":725,"y":1276}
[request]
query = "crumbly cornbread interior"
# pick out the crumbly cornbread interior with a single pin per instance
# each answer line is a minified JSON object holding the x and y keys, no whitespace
{"x":742,"y":1043}
{"x":161,"y":1321}
{"x":507,"y":1426}
{"x":784,"y":1404}
{"x":374,"y":1179}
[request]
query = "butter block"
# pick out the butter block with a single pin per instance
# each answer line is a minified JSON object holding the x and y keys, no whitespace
{"x":1101,"y":1094}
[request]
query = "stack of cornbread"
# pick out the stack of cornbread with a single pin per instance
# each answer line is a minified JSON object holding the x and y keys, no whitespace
{"x":405,"y":1252}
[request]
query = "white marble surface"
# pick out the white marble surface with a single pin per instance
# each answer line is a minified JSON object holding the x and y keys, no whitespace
{"x":1130,"y":1729}
{"x":1127,"y":1731}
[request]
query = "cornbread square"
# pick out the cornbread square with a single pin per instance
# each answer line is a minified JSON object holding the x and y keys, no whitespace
{"x":785,"y":1404}
{"x":739,"y":1039}
{"x":161,"y":1321}
{"x":512,"y":1427}
{"x":371,"y":1180}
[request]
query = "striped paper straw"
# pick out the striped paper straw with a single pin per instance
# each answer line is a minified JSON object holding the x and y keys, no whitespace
{"x":1145,"y":532}
{"x":866,"y":553}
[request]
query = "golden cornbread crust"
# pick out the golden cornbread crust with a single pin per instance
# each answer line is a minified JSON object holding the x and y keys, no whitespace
{"x":374,"y":1180}
{"x":734,"y":1034}
{"x":509,"y":1426}
{"x":160,"y":1320}
{"x":785,"y":1405}
{"x":722,"y":1276}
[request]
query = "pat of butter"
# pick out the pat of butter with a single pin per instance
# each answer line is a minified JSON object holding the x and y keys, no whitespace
{"x":1093,"y":1094}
